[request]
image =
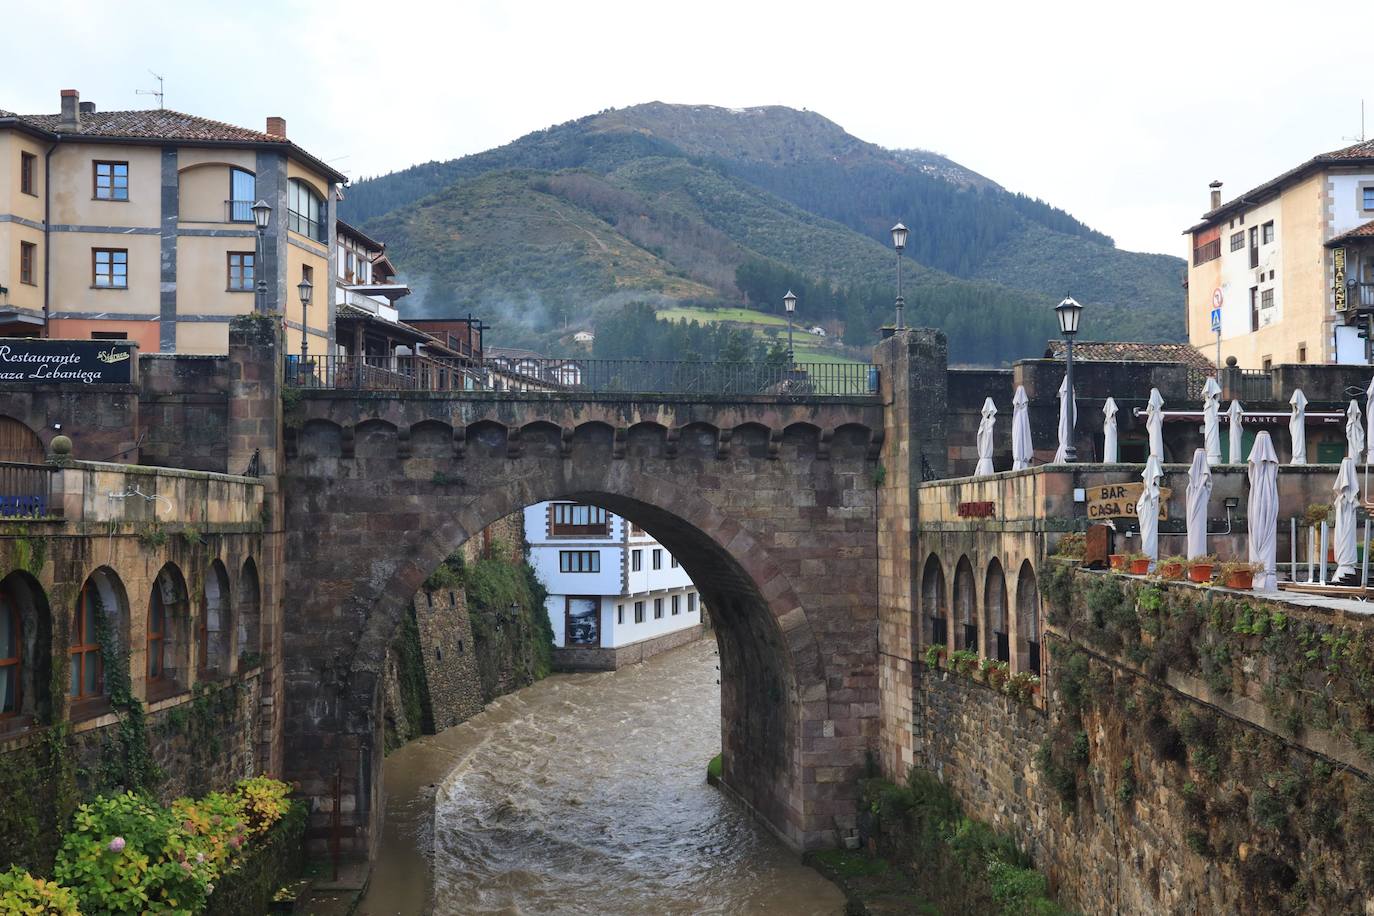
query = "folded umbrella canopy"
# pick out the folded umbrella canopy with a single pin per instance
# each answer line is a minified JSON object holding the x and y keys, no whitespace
{"x":1211,"y":425}
{"x":1369,"y":422}
{"x":985,"y":432}
{"x":1147,"y":510}
{"x":1347,"y":498}
{"x":1109,"y":446}
{"x":1236,"y":433}
{"x":1354,"y":432}
{"x":1297,"y":426}
{"x":1199,"y":493}
{"x":1065,"y":422}
{"x":1020,"y":431}
{"x":1262,"y":510}
{"x":1154,"y":424}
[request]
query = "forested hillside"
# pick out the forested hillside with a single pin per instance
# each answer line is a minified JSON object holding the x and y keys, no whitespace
{"x":668,"y":204}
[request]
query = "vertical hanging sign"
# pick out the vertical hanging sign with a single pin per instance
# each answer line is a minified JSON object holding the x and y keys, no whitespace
{"x":1339,"y":260}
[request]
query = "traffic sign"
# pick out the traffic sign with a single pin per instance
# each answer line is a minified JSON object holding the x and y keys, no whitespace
{"x":1216,"y":321}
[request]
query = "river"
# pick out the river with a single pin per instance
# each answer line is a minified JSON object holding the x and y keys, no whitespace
{"x":585,"y":794}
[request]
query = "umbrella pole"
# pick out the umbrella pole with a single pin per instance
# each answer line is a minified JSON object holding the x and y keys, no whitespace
{"x":1321,"y":555}
{"x":1364,"y":560}
{"x":1292,"y":548}
{"x":1311,"y":553}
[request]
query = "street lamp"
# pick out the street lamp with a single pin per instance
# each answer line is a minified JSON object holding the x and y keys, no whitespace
{"x":899,"y":242}
{"x":262,"y":215}
{"x":1068,"y":313}
{"x":789,"y":302}
{"x":307,"y":290}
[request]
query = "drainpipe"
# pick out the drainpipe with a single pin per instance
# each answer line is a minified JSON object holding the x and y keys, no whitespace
{"x":47,"y":236}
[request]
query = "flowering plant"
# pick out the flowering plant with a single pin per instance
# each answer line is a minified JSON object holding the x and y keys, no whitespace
{"x":21,"y":892}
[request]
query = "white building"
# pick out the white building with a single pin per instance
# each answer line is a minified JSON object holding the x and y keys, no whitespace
{"x":616,"y":595}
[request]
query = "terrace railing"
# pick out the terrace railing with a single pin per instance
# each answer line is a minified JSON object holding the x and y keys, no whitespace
{"x":1256,"y":385}
{"x":26,"y":491}
{"x":589,"y":376}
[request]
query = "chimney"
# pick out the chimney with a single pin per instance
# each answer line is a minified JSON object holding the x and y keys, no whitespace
{"x":276,"y":127}
{"x":70,"y":118}
{"x":1216,"y":194}
{"x":88,"y":107}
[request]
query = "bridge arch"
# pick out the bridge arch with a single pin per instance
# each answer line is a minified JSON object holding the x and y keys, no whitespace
{"x":935,"y":602}
{"x":966,"y":625}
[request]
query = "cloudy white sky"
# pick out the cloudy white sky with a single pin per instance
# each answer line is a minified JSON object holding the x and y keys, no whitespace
{"x":1120,"y":118}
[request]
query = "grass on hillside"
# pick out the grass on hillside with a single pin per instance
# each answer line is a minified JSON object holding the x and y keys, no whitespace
{"x":705,"y":315}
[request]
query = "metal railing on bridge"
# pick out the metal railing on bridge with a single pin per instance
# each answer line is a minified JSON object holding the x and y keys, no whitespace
{"x":26,"y":490}
{"x":591,"y":376}
{"x":1256,"y":385}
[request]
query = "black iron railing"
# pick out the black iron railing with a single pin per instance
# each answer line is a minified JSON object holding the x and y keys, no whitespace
{"x":1256,"y":385}
{"x":26,"y":491}
{"x":592,"y":376}
{"x":238,"y":211}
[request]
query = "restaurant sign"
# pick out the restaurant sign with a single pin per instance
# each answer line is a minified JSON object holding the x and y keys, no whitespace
{"x":1117,"y":500}
{"x":86,"y":362}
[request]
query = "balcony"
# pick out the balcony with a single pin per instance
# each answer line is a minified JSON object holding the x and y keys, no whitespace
{"x":1361,"y":296}
{"x":238,"y":211}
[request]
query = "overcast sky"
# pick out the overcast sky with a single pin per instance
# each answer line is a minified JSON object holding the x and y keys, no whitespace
{"x":1119,"y":119}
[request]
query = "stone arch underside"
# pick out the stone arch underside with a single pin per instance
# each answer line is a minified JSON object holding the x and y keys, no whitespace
{"x":783,"y":553}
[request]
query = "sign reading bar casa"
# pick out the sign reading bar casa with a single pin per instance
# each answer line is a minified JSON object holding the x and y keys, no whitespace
{"x":83,"y":362}
{"x":1117,"y":500}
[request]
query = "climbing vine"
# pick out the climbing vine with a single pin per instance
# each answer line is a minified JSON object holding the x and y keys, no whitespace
{"x":127,"y":760}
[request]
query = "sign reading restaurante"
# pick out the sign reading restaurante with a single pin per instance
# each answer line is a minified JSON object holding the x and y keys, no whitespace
{"x":87,"y":362}
{"x":1117,"y":500}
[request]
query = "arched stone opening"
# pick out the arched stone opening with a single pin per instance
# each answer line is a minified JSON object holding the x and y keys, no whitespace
{"x":1028,"y":656}
{"x":247,"y":616}
{"x":101,"y":615}
{"x":998,"y":644}
{"x":25,"y":652}
{"x":19,"y":443}
{"x":965,"y":607}
{"x":935,"y":603}
{"x":214,"y":628}
{"x":167,"y":634}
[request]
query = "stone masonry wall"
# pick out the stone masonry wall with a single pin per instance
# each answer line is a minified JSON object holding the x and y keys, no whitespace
{"x":184,"y":412}
{"x":449,"y":655}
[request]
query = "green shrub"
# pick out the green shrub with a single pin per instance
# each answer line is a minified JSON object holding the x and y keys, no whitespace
{"x":715,"y":767}
{"x":1019,"y":891}
{"x":963,"y":661}
{"x":21,"y":892}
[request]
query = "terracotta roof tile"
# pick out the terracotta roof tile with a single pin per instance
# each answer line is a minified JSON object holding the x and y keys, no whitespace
{"x":1129,"y":351}
{"x":1362,"y":231}
{"x":154,"y":124}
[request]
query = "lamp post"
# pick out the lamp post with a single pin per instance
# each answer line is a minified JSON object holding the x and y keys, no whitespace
{"x":1068,"y":312}
{"x":262,"y":215}
{"x":789,"y":302}
{"x":899,"y":242}
{"x":307,"y":290}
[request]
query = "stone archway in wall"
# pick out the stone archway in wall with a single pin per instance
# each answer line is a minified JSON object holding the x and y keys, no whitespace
{"x":966,"y":627}
{"x":747,"y":515}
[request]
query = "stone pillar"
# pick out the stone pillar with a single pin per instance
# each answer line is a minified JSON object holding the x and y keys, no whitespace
{"x":915,"y":391}
{"x":255,"y":448}
{"x":1230,"y":380}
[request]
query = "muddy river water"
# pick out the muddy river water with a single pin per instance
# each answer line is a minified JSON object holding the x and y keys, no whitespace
{"x":584,"y":794}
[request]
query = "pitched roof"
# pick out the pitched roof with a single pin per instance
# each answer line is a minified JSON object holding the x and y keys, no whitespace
{"x":1362,"y":231}
{"x":154,"y":124}
{"x":1129,"y":351}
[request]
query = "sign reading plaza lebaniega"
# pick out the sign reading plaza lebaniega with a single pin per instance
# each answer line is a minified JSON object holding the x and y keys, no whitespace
{"x":84,"y":362}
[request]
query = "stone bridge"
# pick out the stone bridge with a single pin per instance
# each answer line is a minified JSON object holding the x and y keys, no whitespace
{"x":771,"y":503}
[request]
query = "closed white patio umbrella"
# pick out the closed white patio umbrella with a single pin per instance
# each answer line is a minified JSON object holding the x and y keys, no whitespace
{"x":1065,"y":432}
{"x":1211,"y":423}
{"x":1154,"y":424}
{"x":1236,"y":433}
{"x":1199,"y":493}
{"x":1297,"y":426}
{"x":985,"y":434}
{"x":1110,"y":450}
{"x":1262,"y":510}
{"x":1354,"y":432}
{"x":1346,"y":498}
{"x":1147,"y":510}
{"x":1020,"y":430}
{"x":1369,"y":423}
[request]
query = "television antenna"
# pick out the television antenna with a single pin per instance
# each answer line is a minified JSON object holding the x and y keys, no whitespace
{"x":154,"y":92}
{"x":1361,"y":137}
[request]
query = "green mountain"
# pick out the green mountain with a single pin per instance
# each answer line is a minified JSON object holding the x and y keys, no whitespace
{"x":672,"y":204}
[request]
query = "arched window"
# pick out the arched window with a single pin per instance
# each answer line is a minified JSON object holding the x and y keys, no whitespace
{"x":1028,"y":619}
{"x":934,"y":602}
{"x":11,"y":654}
{"x":165,"y":640}
{"x":995,"y":602}
{"x":19,"y":443}
{"x":243,"y":193}
{"x":247,"y":616}
{"x":25,"y":651}
{"x":965,"y":607}
{"x":213,"y":632}
{"x":101,"y":598}
{"x":305,"y":211}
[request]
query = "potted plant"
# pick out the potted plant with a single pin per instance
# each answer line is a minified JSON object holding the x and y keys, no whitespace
{"x":935,"y":654}
{"x":1139,"y":563}
{"x":994,"y":672}
{"x":1118,"y":561}
{"x":963,"y":661}
{"x":1072,"y":545}
{"x":1200,"y":568}
{"x":1238,"y":575}
{"x":1022,"y":687}
{"x":1172,"y":567}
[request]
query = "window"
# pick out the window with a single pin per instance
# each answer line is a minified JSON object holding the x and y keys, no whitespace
{"x":241,"y":278}
{"x":11,"y":648}
{"x":1254,"y":246}
{"x":658,"y":608}
{"x":620,"y":613}
{"x":157,"y":635}
{"x":575,"y":519}
{"x":1254,"y":308}
{"x":243,"y":191}
{"x":1267,"y":301}
{"x":579,"y":561}
{"x":28,"y":164}
{"x":672,"y":561}
{"x":1367,"y":197}
{"x":1237,"y":241}
{"x":111,"y":181}
{"x":1302,"y":352}
{"x":305,"y":211}
{"x":658,"y":558}
{"x":28,"y":256}
{"x":639,"y":612}
{"x":677,"y":605}
{"x":691,"y":602}
{"x":1266,"y":363}
{"x":1207,"y":246}
{"x":86,"y":676}
{"x":110,"y":268}
{"x":1267,"y":233}
{"x":636,"y":560}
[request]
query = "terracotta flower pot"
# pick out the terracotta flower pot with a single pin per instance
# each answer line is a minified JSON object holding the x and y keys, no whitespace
{"x":1240,"y":579}
{"x":1171,"y":570}
{"x":1118,"y":560}
{"x":1200,"y":572}
{"x":1140,"y":567}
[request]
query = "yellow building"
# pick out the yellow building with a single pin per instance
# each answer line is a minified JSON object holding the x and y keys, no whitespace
{"x":139,"y":225}
{"x":1285,"y":267}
